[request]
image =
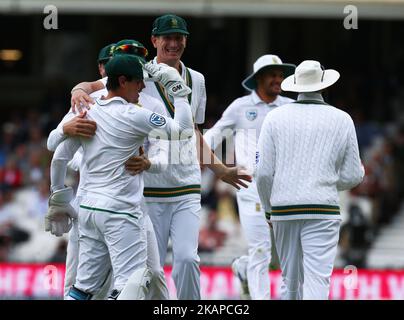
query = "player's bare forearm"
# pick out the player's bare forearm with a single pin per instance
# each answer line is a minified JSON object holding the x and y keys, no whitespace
{"x":206,"y":156}
{"x":234,"y":175}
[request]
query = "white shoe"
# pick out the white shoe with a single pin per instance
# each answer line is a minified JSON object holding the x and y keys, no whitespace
{"x":239,"y":268}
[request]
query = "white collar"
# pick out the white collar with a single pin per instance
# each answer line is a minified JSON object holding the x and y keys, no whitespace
{"x":310,"y":96}
{"x":104,"y":102}
{"x":257,"y":100}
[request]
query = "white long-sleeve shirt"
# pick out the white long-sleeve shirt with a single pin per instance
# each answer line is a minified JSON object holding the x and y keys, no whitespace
{"x":121,"y":129}
{"x":243,"y":119}
{"x":182,"y":178}
{"x":307,"y":152}
{"x":156,"y":150}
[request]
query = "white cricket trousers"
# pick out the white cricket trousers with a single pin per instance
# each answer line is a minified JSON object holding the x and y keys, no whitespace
{"x":257,"y":233}
{"x":72,"y":252}
{"x":180,"y":221}
{"x":109,"y":239}
{"x":306,"y":250}
{"x":72,"y":259}
{"x":158,"y":288}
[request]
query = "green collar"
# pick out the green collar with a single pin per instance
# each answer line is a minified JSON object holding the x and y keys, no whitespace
{"x":169,"y":105}
{"x":311,"y":102}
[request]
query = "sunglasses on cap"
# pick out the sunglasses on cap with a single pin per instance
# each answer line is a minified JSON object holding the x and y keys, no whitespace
{"x":132,"y":49}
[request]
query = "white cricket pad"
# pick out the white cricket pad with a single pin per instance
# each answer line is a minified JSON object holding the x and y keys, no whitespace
{"x":137,"y":286}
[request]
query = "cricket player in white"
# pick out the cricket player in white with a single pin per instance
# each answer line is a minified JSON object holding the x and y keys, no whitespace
{"x":79,"y":126}
{"x":243,"y":118}
{"x":111,"y":219}
{"x":308,"y":151}
{"x":173,"y":197}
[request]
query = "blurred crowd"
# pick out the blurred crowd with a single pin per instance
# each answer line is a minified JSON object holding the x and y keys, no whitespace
{"x":24,"y":192}
{"x":24,"y":189}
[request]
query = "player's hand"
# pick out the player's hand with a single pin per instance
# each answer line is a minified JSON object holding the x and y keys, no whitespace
{"x":235,"y":176}
{"x":138,"y":164}
{"x":60,"y":215}
{"x":80,"y":127}
{"x":57,"y":222}
{"x":80,"y":101}
{"x":169,"y":77}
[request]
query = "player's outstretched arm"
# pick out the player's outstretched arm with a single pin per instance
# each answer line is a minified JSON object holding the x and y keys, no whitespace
{"x":234,"y":176}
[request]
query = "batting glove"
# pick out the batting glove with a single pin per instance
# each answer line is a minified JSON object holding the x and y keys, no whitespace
{"x":169,"y":78}
{"x":60,"y":215}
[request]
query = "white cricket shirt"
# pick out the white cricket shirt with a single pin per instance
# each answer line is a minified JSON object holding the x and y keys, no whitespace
{"x":182,"y":177}
{"x":243,"y":119}
{"x":156,"y":150}
{"x":121,"y":130}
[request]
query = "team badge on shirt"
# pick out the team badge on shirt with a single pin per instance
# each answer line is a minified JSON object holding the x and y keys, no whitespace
{"x":157,"y":120}
{"x":251,"y":114}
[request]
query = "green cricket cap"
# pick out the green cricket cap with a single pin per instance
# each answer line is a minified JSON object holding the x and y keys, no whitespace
{"x":169,"y":23}
{"x":106,"y":53}
{"x":131,"y":47}
{"x":125,"y":65}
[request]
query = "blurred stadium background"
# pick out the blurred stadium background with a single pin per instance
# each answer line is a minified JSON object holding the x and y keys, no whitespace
{"x":38,"y":68}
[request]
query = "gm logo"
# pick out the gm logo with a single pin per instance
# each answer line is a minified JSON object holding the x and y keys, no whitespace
{"x":157,"y":120}
{"x":176,"y":88}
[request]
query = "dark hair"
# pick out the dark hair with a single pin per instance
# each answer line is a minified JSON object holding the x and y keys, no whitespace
{"x":103,"y":62}
{"x":113,"y":81}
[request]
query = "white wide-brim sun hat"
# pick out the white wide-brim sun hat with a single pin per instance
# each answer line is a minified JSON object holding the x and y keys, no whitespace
{"x":310,"y":77}
{"x":267,"y":61}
